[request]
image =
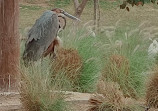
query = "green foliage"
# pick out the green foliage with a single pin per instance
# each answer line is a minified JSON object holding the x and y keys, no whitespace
{"x":62,"y":82}
{"x":135,"y":2}
{"x":37,"y":92}
{"x":134,"y":48}
{"x":87,"y":49}
{"x":34,"y":1}
{"x":30,"y":7}
{"x":91,"y":65}
{"x":58,"y":105}
{"x":105,"y":4}
{"x":60,"y":3}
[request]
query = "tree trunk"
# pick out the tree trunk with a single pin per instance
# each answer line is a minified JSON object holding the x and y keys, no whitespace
{"x":79,"y":7}
{"x":9,"y":44}
{"x":76,"y":4}
{"x":96,"y":15}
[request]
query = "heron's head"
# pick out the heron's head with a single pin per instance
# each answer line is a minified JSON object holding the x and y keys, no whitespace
{"x":61,"y":12}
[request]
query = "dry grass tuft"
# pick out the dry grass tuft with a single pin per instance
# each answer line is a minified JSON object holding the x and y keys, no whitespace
{"x":119,"y":62}
{"x":69,"y":62}
{"x":111,"y":91}
{"x":36,"y":90}
{"x":152,"y":91}
{"x":30,"y":102}
{"x":33,"y":95}
{"x":117,"y":70}
{"x":112,"y":99}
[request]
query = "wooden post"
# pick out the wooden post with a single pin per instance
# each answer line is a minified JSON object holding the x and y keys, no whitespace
{"x":9,"y":44}
{"x":96,"y":15}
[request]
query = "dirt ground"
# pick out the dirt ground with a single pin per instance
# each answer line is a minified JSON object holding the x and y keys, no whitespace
{"x":11,"y":101}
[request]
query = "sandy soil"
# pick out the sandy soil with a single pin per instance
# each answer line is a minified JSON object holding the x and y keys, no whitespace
{"x":11,"y":101}
{"x":78,"y":101}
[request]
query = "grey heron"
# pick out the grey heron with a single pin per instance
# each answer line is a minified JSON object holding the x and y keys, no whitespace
{"x":42,"y":37}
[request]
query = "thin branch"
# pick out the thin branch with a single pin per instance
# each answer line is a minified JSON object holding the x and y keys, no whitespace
{"x":98,"y":19}
{"x":80,"y":8}
{"x":96,"y":15}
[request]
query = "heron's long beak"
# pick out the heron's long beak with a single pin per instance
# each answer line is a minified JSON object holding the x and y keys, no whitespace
{"x":71,"y":16}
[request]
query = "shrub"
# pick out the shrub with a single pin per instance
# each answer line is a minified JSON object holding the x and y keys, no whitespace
{"x":117,"y":70}
{"x":152,"y":90}
{"x":69,"y":63}
{"x":128,"y":49}
{"x":91,"y":64}
{"x":88,"y":50}
{"x":112,"y":99}
{"x":36,"y":90}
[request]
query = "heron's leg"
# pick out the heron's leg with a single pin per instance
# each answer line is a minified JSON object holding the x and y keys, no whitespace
{"x":54,"y":54}
{"x":49,"y":50}
{"x":57,"y":45}
{"x":52,"y":49}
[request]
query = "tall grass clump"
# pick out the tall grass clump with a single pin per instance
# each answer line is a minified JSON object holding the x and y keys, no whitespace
{"x":90,"y":55}
{"x":68,"y":64}
{"x":127,"y":61}
{"x":36,"y":89}
{"x":117,"y":70}
{"x":112,"y":99}
{"x":152,"y":90}
{"x":91,"y":65}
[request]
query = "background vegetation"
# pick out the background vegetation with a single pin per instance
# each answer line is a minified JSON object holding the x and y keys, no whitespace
{"x":117,"y":54}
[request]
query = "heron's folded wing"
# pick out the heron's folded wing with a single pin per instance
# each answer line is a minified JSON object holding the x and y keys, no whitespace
{"x":45,"y":28}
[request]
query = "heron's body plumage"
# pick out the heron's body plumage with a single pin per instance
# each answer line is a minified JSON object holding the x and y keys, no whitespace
{"x":40,"y":36}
